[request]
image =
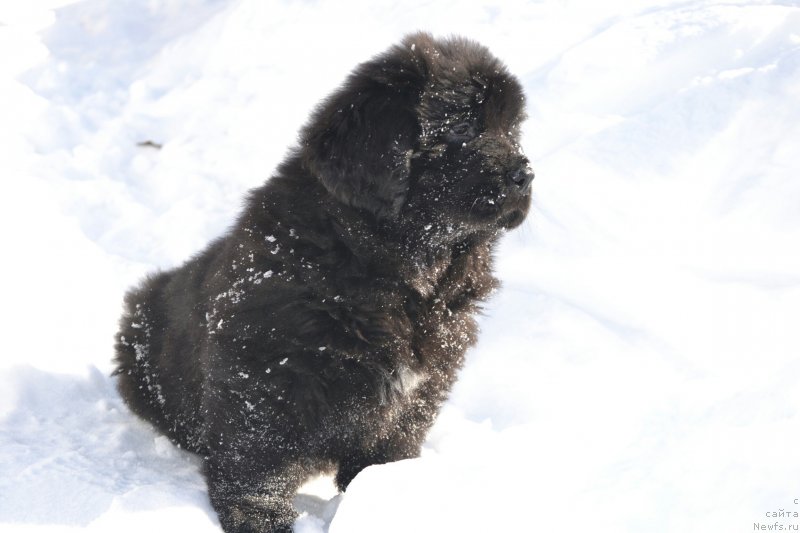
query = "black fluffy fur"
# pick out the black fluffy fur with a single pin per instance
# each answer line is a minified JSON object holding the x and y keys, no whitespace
{"x":325,"y":329}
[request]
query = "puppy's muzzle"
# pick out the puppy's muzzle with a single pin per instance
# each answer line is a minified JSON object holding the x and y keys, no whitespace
{"x":521,"y":177}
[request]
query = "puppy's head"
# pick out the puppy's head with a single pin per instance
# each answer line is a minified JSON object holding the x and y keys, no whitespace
{"x":428,"y":131}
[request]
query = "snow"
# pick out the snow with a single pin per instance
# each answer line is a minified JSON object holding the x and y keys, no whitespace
{"x":638,"y":371}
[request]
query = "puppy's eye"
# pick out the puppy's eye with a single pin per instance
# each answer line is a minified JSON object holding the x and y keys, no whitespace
{"x":461,"y":132}
{"x":461,"y":129}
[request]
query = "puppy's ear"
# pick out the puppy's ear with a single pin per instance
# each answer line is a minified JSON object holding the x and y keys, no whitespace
{"x":359,"y":142}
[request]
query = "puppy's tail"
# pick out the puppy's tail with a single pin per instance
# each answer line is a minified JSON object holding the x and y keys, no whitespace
{"x":136,"y":349}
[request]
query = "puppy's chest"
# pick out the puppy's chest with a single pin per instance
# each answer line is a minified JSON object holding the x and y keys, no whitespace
{"x":443,"y":320}
{"x":442,"y":333}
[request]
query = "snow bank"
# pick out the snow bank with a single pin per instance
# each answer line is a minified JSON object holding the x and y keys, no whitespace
{"x":638,"y":372}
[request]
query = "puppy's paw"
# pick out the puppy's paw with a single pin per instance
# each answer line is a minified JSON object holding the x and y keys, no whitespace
{"x":245,"y":517}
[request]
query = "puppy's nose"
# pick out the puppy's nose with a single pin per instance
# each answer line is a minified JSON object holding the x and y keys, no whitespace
{"x":521,"y":177}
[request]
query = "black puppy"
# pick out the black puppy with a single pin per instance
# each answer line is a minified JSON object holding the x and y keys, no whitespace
{"x":324,"y":331}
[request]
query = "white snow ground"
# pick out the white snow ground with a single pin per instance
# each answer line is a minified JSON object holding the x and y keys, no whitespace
{"x":640,"y":370}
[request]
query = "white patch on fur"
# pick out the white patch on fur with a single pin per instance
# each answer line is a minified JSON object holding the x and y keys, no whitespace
{"x":406,"y":381}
